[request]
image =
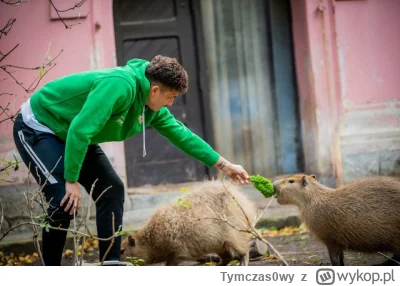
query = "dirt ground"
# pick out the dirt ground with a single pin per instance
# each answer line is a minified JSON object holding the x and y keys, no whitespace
{"x":304,"y":249}
{"x":298,"y":249}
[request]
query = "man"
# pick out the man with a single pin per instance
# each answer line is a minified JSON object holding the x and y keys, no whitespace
{"x":68,"y":117}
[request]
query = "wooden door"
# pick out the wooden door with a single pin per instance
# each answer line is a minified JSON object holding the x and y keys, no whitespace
{"x":144,"y":29}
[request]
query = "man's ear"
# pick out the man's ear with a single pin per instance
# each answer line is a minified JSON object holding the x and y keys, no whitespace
{"x":304,"y":179}
{"x":131,"y":240}
{"x":154,"y":88}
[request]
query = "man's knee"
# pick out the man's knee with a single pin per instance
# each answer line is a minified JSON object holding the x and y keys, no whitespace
{"x":115,"y":190}
{"x":57,"y":216}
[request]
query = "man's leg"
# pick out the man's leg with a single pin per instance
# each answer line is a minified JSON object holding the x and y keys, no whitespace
{"x":97,"y":166}
{"x":40,"y":152}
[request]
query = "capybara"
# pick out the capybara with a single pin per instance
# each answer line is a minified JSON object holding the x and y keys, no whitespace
{"x":193,"y":226}
{"x":362,"y":215}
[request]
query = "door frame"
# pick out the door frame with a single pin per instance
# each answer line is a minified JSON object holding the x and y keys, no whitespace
{"x":203,"y":80}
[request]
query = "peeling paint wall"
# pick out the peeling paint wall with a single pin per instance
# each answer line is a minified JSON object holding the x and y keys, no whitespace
{"x":89,"y":45}
{"x":370,"y":87}
{"x":348,"y":71}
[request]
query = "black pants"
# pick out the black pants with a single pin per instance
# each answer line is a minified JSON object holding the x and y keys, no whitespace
{"x":40,"y":151}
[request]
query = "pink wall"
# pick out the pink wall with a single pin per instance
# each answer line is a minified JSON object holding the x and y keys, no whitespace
{"x":347,"y":67}
{"x":368,"y":41}
{"x":369,"y":50}
{"x":90,"y":45}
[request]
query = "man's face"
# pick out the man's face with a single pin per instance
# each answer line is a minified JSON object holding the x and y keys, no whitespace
{"x":160,"y":97}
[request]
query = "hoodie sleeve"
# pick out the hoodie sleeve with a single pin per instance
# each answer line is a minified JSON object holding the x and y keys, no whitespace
{"x":106,"y":97}
{"x":179,"y":135}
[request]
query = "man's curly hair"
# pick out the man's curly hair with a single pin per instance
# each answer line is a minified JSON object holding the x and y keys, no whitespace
{"x":168,"y":72}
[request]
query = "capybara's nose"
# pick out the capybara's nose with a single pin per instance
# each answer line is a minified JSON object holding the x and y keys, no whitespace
{"x":276,"y":188}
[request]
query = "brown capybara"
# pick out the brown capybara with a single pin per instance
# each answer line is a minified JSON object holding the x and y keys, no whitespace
{"x":194,"y":226}
{"x":362,"y":215}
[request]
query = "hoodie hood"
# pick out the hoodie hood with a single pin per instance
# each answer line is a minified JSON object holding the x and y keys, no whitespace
{"x":139,"y":68}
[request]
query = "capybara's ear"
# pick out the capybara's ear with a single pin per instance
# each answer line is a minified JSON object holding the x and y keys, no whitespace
{"x":131,"y":240}
{"x":313,"y":176}
{"x":304,"y":179}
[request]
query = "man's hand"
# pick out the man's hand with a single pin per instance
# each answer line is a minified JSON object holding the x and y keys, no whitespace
{"x":236,"y":172}
{"x":73,"y":193}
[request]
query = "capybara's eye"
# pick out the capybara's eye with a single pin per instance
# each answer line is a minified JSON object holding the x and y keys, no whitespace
{"x":291,"y":181}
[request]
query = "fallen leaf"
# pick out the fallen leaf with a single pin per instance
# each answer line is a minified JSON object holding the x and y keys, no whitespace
{"x":68,"y":252}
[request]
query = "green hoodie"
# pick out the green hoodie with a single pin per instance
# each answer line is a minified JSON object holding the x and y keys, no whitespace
{"x":106,"y":105}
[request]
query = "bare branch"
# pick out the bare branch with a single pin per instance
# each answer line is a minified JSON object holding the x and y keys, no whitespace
{"x":255,"y":232}
{"x":82,"y":250}
{"x":49,"y":63}
{"x":220,"y":218}
{"x":36,"y":82}
{"x":278,"y":254}
{"x":88,"y":210}
{"x":12,"y":164}
{"x":77,"y":5}
{"x":394,"y":260}
{"x":262,"y":213}
{"x":5,"y":233}
{"x":42,"y":68}
{"x":13,"y":2}
{"x":233,"y":197}
{"x":48,"y":176}
{"x":12,"y":117}
{"x":3,"y":56}
{"x":58,"y":11}
{"x":7,"y":27}
{"x":35,"y":230}
{"x":38,"y":198}
{"x":75,"y":238}
{"x":250,"y":225}
{"x":86,"y":218}
{"x":112,"y":240}
{"x":1,"y":216}
{"x":5,"y":110}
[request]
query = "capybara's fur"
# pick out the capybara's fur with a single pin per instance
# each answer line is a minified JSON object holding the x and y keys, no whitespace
{"x":193,"y":226}
{"x":362,"y":215}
